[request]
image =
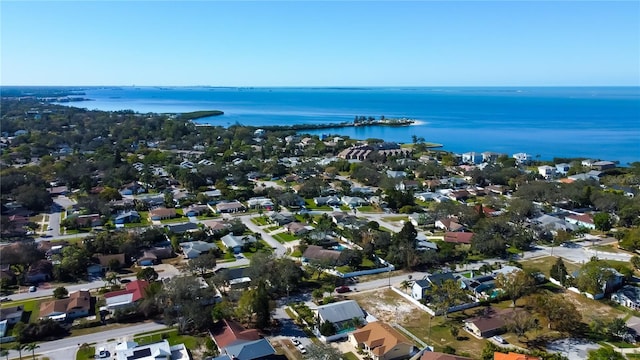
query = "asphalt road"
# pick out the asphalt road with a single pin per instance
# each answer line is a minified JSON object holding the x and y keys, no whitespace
{"x":65,"y":349}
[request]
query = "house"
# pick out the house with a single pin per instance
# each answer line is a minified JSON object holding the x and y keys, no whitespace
{"x":133,"y":188}
{"x":193,"y":249}
{"x":406,"y":185}
{"x":251,"y":350}
{"x":485,"y":326}
{"x":122,"y":299}
{"x":160,"y":350}
{"x":562,"y":168}
{"x":490,"y":156}
{"x":353,"y":201}
{"x":327,"y":200}
{"x":420,"y":287}
{"x":11,"y":314}
{"x":195,"y":210}
{"x":318,"y":253}
{"x":91,"y":220}
{"x":236,"y":342}
{"x":547,"y":171}
{"x":553,"y":224}
{"x":628,"y":296}
{"x":458,"y":237}
{"x":396,"y":174}
{"x":230,"y":207}
{"x":127,"y":217}
{"x":107,"y":261}
{"x":216,"y":226}
{"x":39,"y":271}
{"x":581,"y":220}
{"x":237,"y":277}
{"x":162,"y":213}
{"x":513,"y":356}
{"x":154,"y":255}
{"x":182,"y":228}
{"x":341,"y":314}
{"x":472,"y":158}
{"x":603,"y":165}
{"x":261,"y":203}
{"x":430,"y":355}
{"x":479,"y":285}
{"x":449,"y":224}
{"x":298,"y":228}
{"x":237,"y":243}
{"x":280,"y":219}
{"x":76,"y":305}
{"x":382,"y":342}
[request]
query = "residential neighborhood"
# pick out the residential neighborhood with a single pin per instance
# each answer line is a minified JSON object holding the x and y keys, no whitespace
{"x":249,"y":243}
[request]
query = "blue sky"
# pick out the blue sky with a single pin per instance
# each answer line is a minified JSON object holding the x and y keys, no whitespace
{"x":332,"y":43}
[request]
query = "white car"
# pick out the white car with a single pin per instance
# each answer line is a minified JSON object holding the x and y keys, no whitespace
{"x":499,"y":339}
{"x":295,"y":341}
{"x":302,"y":349}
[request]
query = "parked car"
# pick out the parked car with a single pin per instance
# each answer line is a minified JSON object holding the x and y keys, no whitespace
{"x":295,"y":341}
{"x":32,"y":289}
{"x":302,"y":349}
{"x":343,"y":289}
{"x":499,"y":339}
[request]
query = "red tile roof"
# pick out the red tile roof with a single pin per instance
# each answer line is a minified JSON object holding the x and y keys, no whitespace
{"x":458,"y":237}
{"x":513,"y":356}
{"x":135,"y":287}
{"x":233,"y":332}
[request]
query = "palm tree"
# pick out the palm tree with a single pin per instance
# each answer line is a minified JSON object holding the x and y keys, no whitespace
{"x":19,"y":347}
{"x":405,"y":285}
{"x":32,"y":347}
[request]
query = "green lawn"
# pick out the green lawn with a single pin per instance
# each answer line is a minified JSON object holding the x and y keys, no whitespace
{"x":284,"y":237}
{"x":349,"y":356}
{"x":86,"y":353}
{"x":272,"y":228}
{"x":190,"y":342}
{"x":32,"y":306}
{"x":312,"y":206}
{"x":395,"y":218}
{"x":260,"y":221}
{"x":174,"y":220}
{"x":368,"y":209}
{"x":544,"y":264}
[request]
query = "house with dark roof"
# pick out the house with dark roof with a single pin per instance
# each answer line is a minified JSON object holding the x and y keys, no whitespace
{"x":216,"y":226}
{"x":229,"y":207}
{"x":298,"y":228}
{"x":39,"y":271}
{"x":382,"y":342}
{"x":420,"y":287}
{"x":107,"y":260}
{"x":485,"y":326}
{"x":76,"y":305}
{"x":11,"y":314}
{"x":280,"y":219}
{"x":127,"y":217}
{"x":318,"y":253}
{"x":628,"y":296}
{"x":182,"y":228}
{"x":195,"y":210}
{"x":340,"y":314}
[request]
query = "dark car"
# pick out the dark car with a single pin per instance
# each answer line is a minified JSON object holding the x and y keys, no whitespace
{"x":342,"y":289}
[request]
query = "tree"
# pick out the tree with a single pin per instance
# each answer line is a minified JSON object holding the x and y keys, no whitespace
{"x":19,"y":348}
{"x":327,"y":328}
{"x":184,"y":301}
{"x":261,"y":306}
{"x":635,"y":261}
{"x":561,"y":314}
{"x":515,"y":285}
{"x":405,"y":285}
{"x":202,"y":264}
{"x":445,"y":295}
{"x":148,"y":274}
{"x":111,"y":278}
{"x":60,"y":292}
{"x":520,"y":322}
{"x":605,"y":353}
{"x":322,"y":351}
{"x":32,"y":347}
{"x":559,"y":271}
{"x":602,"y":221}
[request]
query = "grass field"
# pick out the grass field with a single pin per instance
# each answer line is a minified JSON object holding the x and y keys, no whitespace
{"x":31,"y":306}
{"x":260,"y":221}
{"x":284,"y":237}
{"x":191,"y":342}
{"x":544,"y":264}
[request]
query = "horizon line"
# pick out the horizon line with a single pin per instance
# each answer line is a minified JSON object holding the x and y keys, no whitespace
{"x":326,"y":86}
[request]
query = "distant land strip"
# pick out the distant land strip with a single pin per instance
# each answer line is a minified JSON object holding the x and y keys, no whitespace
{"x":200,"y":114}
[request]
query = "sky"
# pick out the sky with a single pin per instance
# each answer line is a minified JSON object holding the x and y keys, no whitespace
{"x":325,"y":43}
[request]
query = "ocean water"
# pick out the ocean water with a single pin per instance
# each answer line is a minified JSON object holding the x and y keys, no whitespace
{"x":594,"y":122}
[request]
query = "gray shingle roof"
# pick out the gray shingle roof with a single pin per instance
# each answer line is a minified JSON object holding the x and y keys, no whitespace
{"x":340,"y":311}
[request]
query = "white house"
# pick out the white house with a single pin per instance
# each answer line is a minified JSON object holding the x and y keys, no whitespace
{"x":522,"y":158}
{"x":546,"y":171}
{"x":472,"y":158}
{"x":160,"y":350}
{"x":628,"y":296}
